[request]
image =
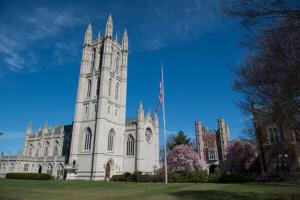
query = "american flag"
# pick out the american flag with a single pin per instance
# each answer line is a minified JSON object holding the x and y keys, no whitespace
{"x":160,"y":100}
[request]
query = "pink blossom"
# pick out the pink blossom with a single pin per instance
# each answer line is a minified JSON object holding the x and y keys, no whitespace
{"x":183,"y":157}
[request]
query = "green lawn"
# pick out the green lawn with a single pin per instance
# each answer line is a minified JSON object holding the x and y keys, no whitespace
{"x":73,"y":190}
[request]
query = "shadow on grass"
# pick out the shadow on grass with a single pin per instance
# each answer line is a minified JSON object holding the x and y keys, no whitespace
{"x":222,"y":195}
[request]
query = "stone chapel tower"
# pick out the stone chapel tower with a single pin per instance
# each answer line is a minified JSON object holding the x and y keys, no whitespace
{"x":99,"y":120}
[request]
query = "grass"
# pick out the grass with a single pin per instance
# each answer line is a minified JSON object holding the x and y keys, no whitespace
{"x":80,"y":190}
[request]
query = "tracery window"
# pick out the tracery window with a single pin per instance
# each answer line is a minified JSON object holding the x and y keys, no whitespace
{"x":130,"y":146}
{"x":110,"y":142}
{"x":26,"y":166}
{"x":275,"y":136}
{"x":87,"y":139}
{"x":282,"y":162}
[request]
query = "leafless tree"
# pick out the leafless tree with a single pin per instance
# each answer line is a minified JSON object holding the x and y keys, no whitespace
{"x":270,"y":75}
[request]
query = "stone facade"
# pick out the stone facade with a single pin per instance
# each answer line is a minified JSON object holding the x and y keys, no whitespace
{"x":212,"y":144}
{"x":280,"y":144}
{"x":45,"y":151}
{"x":103,"y":142}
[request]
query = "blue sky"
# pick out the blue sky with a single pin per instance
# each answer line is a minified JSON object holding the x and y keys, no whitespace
{"x":40,"y":52}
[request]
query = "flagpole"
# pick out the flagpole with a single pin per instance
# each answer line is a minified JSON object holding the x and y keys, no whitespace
{"x":164,"y":123}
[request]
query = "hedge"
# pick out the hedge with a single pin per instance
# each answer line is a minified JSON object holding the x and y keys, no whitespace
{"x":192,"y":177}
{"x":32,"y":176}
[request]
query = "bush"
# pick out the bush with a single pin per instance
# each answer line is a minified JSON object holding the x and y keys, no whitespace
{"x":32,"y":176}
{"x":118,"y":178}
{"x":213,"y":178}
{"x":276,"y":177}
{"x":237,"y":178}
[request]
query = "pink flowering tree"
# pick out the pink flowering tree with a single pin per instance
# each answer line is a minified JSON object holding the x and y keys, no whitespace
{"x":183,"y":157}
{"x":240,"y":156}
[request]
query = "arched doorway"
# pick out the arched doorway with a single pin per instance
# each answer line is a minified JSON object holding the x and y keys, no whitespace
{"x":212,"y":169}
{"x":107,"y":171}
{"x":40,"y":169}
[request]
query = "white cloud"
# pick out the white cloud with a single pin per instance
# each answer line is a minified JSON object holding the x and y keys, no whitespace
{"x":26,"y":30}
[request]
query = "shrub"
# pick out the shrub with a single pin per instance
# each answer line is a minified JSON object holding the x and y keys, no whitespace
{"x":213,"y":178}
{"x":175,"y":177}
{"x":237,"y":178}
{"x":118,"y":178}
{"x":32,"y":176}
{"x":277,"y":177}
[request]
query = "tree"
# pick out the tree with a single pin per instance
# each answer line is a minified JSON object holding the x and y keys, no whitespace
{"x":183,"y":157}
{"x":178,"y":139}
{"x":269,"y":76}
{"x":240,"y":155}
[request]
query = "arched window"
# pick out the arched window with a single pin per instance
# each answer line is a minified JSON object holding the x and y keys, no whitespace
{"x":88,"y":94}
{"x":87,"y":139}
{"x":93,"y":59}
{"x":12,"y":167}
{"x":46,"y":148}
{"x":109,"y":87}
{"x":55,"y":149}
{"x":110,"y":143}
{"x":30,"y":151}
{"x":275,"y":136}
{"x":37,"y":154}
{"x":26,"y":166}
{"x":130,"y":146}
{"x":117,"y":62}
{"x":117,"y":91}
{"x":49,"y":169}
{"x":98,"y":87}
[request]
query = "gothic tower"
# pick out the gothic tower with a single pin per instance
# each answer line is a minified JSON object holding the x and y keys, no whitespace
{"x":223,"y":138}
{"x":99,"y":120}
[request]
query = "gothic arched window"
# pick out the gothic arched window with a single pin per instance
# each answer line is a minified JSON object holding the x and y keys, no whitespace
{"x":117,"y":91}
{"x":98,"y":87}
{"x":26,"y":166}
{"x":130,"y":146}
{"x":46,"y":153}
{"x":88,"y":94}
{"x":38,"y":150}
{"x":87,"y":139}
{"x":117,"y":62}
{"x":110,"y":142}
{"x":93,"y":59}
{"x":109,"y":87}
{"x":55,"y":150}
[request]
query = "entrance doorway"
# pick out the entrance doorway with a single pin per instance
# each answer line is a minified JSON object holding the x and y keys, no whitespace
{"x":107,"y":171}
{"x":40,"y":169}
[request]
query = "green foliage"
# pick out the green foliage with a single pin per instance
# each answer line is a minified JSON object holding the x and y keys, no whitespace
{"x":237,"y":178}
{"x":213,"y":178}
{"x":179,"y":139}
{"x":32,"y":176}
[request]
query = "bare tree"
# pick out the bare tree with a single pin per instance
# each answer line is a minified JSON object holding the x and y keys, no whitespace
{"x":269,"y":76}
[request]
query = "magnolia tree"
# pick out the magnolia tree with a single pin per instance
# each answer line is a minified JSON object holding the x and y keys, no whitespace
{"x":183,"y":157}
{"x":239,"y":157}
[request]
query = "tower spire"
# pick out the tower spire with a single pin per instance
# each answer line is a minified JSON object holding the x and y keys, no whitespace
{"x":29,"y":129}
{"x":88,"y":35}
{"x":141,"y":114}
{"x":109,"y":27}
{"x":125,"y":41}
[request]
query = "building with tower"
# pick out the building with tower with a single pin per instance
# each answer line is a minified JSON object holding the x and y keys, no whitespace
{"x":101,"y":142}
{"x":212,"y":144}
